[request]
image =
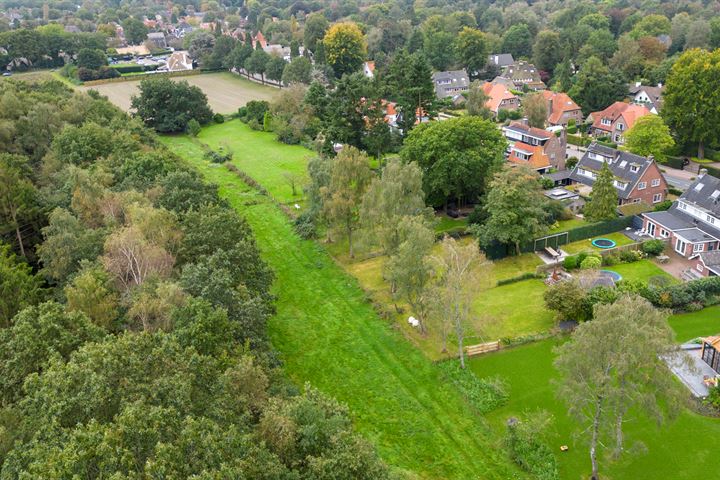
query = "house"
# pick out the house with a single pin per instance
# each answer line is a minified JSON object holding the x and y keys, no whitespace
{"x":535,"y":147}
{"x":650,"y":97}
{"x":178,"y":62}
{"x":500,"y":98}
{"x":637,"y":179}
{"x":501,"y":60}
{"x":571,"y":200}
{"x":505,"y":82}
{"x":711,"y":352}
{"x":561,"y":108}
{"x":524,"y":74}
{"x":450,"y":83}
{"x":369,"y":69}
{"x":157,"y":39}
{"x":692,"y":225}
{"x":261,"y":39}
{"x":615,"y":120}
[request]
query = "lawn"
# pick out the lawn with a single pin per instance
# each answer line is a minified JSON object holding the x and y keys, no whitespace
{"x":643,"y":270}
{"x":262,"y":157}
{"x":327,"y":334}
{"x":583,"y":245}
{"x":226,"y":91}
{"x":677,"y":450}
{"x":688,"y":326}
{"x":449,"y":224}
{"x":565,"y":225}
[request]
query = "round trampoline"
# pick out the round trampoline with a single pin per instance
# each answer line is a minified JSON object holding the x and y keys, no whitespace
{"x":603,"y":243}
{"x":614,"y":275}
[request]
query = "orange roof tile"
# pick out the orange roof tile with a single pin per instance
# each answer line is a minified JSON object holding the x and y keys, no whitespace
{"x":539,"y":159}
{"x":496,"y":94}
{"x":628,"y":111}
{"x":561,"y":103}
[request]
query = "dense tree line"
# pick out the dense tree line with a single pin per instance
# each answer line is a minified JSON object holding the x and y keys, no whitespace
{"x":134,"y":343}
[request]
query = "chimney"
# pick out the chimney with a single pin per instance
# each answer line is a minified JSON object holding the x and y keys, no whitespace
{"x":703,"y":172}
{"x":651,"y":157}
{"x":638,"y":84}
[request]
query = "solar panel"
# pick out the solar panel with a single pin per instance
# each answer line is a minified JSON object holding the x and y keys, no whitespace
{"x":699,"y":187}
{"x":715,"y":194}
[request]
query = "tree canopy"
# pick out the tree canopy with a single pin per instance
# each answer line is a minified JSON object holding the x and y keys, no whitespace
{"x":168,"y":106}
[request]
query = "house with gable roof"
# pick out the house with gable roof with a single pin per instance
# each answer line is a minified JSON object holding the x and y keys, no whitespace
{"x":522,"y":74}
{"x":637,"y":179}
{"x":615,"y":120}
{"x":692,"y":225}
{"x":534,"y":147}
{"x":500,"y":98}
{"x":561,"y":108}
{"x":450,"y":83}
{"x":648,"y":96}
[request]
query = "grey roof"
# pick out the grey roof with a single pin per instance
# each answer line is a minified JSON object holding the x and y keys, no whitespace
{"x":700,"y":194}
{"x":451,"y":79}
{"x":559,"y":193}
{"x":621,"y":164}
{"x":157,"y":35}
{"x":711,"y":259}
{"x":529,"y":131}
{"x":684,"y":225}
{"x":655,"y":93}
{"x":558,"y":176}
{"x":501,"y":59}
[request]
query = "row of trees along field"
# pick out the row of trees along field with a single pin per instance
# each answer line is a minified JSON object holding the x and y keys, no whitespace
{"x":133,"y":314}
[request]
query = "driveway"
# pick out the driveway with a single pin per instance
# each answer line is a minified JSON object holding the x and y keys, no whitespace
{"x":680,"y":179}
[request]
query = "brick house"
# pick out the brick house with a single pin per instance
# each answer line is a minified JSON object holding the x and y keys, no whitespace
{"x":637,"y":179}
{"x":500,"y":98}
{"x":692,"y":225}
{"x":615,"y":120}
{"x":561,"y":108}
{"x":648,"y":96}
{"x":534,"y":147}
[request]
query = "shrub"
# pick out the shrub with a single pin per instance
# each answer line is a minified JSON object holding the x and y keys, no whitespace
{"x":478,"y":216}
{"x":610,"y":260}
{"x":219,"y":118}
{"x":485,"y":394}
{"x":218,"y":157}
{"x":519,"y":278}
{"x":590,"y":263}
{"x":570,"y":262}
{"x":566,"y":299}
{"x":193,"y":127}
{"x":580,"y":257}
{"x":528,"y":451}
{"x":653,"y":247}
{"x":254,"y":110}
{"x":713,"y":398}
{"x":267,"y":121}
{"x":255,"y":125}
{"x":662,"y":206}
{"x":675,"y":191}
{"x":305,"y":225}
{"x":630,"y":256}
{"x":571,"y":162}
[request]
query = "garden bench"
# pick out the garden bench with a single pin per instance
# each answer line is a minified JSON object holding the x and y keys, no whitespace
{"x":552,"y":252}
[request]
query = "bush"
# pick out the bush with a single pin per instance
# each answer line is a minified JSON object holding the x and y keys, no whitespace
{"x":519,"y":278}
{"x":653,"y":247}
{"x":193,"y":127}
{"x":484,"y":394}
{"x":255,"y":125}
{"x":630,"y":256}
{"x":219,"y":118}
{"x":610,"y":260}
{"x":662,"y":206}
{"x":590,"y":263}
{"x":478,"y":216}
{"x":570,"y":262}
{"x":571,"y":162}
{"x":675,"y":191}
{"x":524,"y":442}
{"x":267,"y":121}
{"x":218,"y":157}
{"x":254,"y":110}
{"x":713,"y":398}
{"x":305,"y":225}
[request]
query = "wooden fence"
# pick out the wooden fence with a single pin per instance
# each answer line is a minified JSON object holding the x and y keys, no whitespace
{"x":481,"y":348}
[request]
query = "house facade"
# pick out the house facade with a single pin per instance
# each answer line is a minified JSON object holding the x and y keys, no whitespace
{"x":647,"y":96}
{"x":615,"y":120}
{"x":500,"y":98}
{"x":369,"y":69}
{"x":450,"y":83}
{"x":561,"y":108}
{"x":692,"y":225}
{"x":637,"y":179}
{"x":710,"y":353}
{"x":534,"y":147}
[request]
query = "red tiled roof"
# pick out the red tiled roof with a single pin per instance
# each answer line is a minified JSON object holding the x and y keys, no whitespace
{"x":539,"y":158}
{"x":628,"y":111}
{"x":561,"y":103}
{"x":496,"y":94}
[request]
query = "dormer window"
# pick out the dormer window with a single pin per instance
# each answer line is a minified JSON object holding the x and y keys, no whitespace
{"x":698,"y":187}
{"x":634,"y":168}
{"x":606,"y":121}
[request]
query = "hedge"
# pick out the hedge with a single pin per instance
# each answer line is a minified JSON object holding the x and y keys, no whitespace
{"x":578,"y":141}
{"x":682,"y":296}
{"x":132,"y":78}
{"x":134,"y":68}
{"x":674,"y":162}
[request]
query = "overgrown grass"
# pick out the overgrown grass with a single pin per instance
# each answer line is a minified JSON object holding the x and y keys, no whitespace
{"x":677,"y":450}
{"x":262,"y":157}
{"x":329,"y":335}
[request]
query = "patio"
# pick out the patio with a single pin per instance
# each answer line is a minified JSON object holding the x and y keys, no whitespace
{"x":678,"y":266}
{"x":690,"y":369}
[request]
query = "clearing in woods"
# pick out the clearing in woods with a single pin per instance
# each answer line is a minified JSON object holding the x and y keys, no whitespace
{"x":226,"y":91}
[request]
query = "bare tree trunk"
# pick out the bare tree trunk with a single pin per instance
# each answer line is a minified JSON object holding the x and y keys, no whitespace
{"x":594,"y":438}
{"x":349,"y":232}
{"x":17,"y":231}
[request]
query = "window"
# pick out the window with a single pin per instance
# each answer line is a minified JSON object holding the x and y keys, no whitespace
{"x":642,"y":185}
{"x":664,"y":233}
{"x":655,"y":182}
{"x":620,"y":127}
{"x":606,"y":121}
{"x":682,"y":206}
{"x":634,"y":168}
{"x":657,"y":198}
{"x":699,"y":267}
{"x":698,"y":247}
{"x":710,"y":219}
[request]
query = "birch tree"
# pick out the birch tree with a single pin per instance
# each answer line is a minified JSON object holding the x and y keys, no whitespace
{"x":613,"y":365}
{"x":457,"y":266}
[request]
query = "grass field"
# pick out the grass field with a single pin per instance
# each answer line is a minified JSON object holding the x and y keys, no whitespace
{"x":226,"y":92}
{"x":329,"y":335}
{"x":676,"y":450}
{"x":262,"y":157}
{"x":586,"y":245}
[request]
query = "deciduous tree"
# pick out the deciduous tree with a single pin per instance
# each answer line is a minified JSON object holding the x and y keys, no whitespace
{"x":476,"y":103}
{"x":535,"y":109}
{"x":350,"y":176}
{"x":19,"y":288}
{"x":18,"y":196}
{"x":345,"y":48}
{"x":473,"y":50}
{"x":168,"y":106}
{"x":650,"y":136}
